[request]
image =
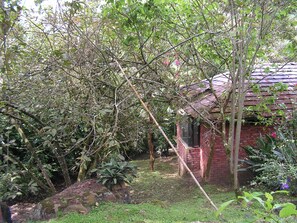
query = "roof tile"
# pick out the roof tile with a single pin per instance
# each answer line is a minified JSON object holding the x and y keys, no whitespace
{"x":265,"y":76}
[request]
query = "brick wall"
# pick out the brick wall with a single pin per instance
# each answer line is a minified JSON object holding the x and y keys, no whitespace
{"x":193,"y":161}
{"x":219,"y":167}
{"x":190,"y":155}
{"x":198,"y":158}
{"x":205,"y":140}
{"x":219,"y":172}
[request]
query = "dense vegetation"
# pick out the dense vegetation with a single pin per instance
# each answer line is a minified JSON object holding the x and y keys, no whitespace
{"x":274,"y":158}
{"x":65,"y":106}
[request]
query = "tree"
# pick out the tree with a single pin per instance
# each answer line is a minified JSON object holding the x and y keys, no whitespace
{"x":10,"y":12}
{"x":71,"y":105}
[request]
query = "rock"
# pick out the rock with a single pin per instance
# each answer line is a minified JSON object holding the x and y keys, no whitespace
{"x":107,"y":196}
{"x":90,"y":199}
{"x":122,"y":193}
{"x":79,"y":197}
{"x":47,"y":206}
{"x":36,"y":212}
{"x":79,"y":208}
{"x":25,"y":211}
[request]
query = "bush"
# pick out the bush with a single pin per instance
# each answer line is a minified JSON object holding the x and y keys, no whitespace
{"x":116,"y":172}
{"x":264,"y":207}
{"x":274,"y":158}
{"x":14,"y":184}
{"x":258,"y":155}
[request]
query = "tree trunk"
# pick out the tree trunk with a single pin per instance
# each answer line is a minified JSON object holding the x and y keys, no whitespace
{"x":241,"y":97}
{"x":38,"y":161}
{"x":82,"y":172}
{"x":232,"y":122}
{"x":150,"y":144}
{"x":211,"y":154}
{"x":83,"y":167}
{"x":94,"y":163}
{"x":63,"y":164}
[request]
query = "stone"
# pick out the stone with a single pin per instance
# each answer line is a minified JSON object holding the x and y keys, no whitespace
{"x":90,"y":199}
{"x":80,"y":198}
{"x":79,"y":208}
{"x":107,"y":196}
{"x":47,"y":207}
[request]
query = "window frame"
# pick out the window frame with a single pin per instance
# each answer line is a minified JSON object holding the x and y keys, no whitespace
{"x":190,"y":132}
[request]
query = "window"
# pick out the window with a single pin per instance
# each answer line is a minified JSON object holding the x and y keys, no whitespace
{"x":190,"y":131}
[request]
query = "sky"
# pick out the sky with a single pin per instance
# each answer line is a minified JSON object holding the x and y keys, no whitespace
{"x":31,"y":5}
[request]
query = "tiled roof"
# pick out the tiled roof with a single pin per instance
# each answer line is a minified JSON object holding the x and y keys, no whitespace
{"x":265,"y":76}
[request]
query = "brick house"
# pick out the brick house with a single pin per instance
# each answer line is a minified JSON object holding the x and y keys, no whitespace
{"x":202,"y":148}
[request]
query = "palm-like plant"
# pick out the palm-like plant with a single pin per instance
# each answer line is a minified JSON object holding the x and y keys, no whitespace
{"x":116,"y":172}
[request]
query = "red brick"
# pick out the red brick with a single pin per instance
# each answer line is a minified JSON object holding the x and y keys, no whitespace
{"x":197,"y":158}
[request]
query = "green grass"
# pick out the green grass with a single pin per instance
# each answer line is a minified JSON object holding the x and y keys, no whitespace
{"x":148,"y":213}
{"x":162,"y":196}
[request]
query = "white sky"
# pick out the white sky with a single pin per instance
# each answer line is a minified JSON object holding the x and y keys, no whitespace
{"x":30,"y":3}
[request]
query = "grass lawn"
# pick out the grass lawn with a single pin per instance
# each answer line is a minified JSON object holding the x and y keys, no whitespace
{"x":162,"y":196}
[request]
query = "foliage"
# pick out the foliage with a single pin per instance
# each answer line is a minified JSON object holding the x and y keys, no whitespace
{"x":14,"y":185}
{"x":274,"y":158}
{"x":162,"y":145}
{"x":116,"y":172}
{"x":267,"y":98}
{"x":70,"y":119}
{"x":14,"y":182}
{"x":266,"y":209}
{"x":258,"y":154}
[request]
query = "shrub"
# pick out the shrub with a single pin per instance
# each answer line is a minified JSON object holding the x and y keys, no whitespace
{"x":116,"y":172}
{"x":263,"y":150}
{"x":264,"y":207}
{"x":274,"y":158}
{"x":278,"y":175}
{"x":15,"y":184}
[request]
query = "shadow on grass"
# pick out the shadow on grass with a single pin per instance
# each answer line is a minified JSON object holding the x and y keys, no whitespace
{"x":164,"y":184}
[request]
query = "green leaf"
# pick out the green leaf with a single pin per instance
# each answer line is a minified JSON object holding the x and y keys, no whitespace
{"x":223,"y":206}
{"x":268,"y":205}
{"x":288,"y":210}
{"x":58,"y":53}
{"x":280,"y":192}
{"x":267,"y":70}
{"x":269,"y":197}
{"x":94,"y":170}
